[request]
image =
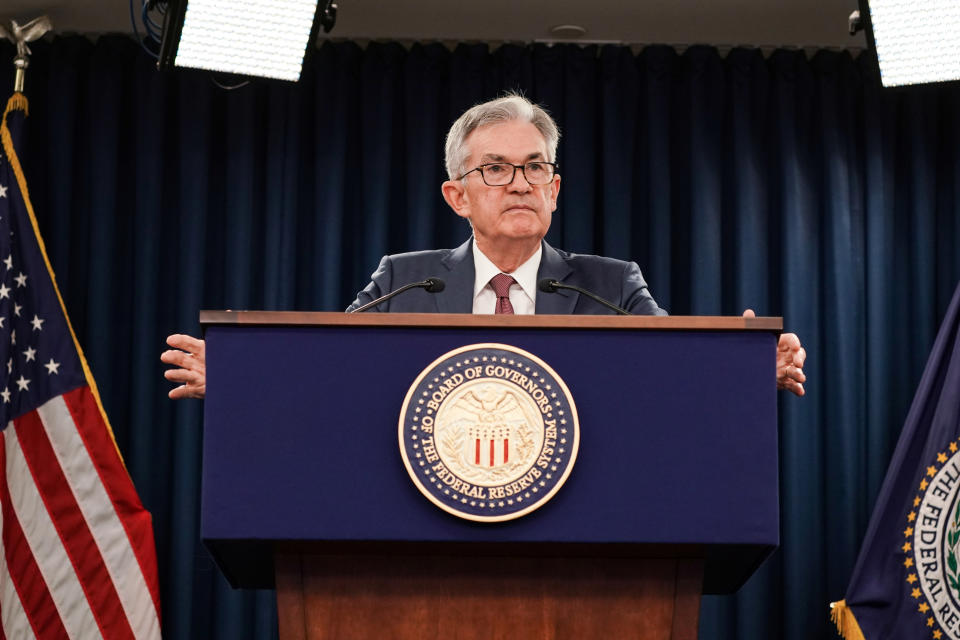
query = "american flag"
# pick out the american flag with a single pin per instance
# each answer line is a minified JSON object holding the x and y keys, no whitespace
{"x":77,"y":557}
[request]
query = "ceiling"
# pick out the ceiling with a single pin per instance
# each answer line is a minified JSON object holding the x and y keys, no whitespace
{"x":811,"y":24}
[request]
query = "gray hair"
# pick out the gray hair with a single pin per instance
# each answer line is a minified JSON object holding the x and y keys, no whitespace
{"x":508,"y":108}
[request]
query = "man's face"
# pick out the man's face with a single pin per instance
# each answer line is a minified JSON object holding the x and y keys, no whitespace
{"x":515,"y":211}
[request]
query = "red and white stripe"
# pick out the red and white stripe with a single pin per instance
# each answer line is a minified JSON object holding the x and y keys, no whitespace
{"x":78,"y":559}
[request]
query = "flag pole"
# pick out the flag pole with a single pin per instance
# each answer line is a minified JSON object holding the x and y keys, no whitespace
{"x":21,"y":63}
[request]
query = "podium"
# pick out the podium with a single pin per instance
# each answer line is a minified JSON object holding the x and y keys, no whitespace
{"x":674,"y":491}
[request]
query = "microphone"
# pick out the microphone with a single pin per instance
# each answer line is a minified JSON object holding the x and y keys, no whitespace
{"x":433,"y":285}
{"x":549,"y":285}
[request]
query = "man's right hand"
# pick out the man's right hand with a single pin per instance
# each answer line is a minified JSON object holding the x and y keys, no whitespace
{"x":189,"y":356}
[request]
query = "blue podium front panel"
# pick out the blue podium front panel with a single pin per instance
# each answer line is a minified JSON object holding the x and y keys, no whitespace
{"x":678,"y":441}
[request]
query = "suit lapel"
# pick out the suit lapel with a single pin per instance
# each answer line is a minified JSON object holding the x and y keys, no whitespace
{"x":553,"y":266}
{"x":457,"y":296}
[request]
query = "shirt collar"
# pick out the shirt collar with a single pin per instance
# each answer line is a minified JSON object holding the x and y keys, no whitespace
{"x":525,"y":274}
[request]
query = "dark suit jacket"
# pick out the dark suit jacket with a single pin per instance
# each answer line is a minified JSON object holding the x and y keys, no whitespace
{"x":615,"y":280}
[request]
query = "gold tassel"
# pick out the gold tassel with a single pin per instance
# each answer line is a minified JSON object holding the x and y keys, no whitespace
{"x":17,"y":102}
{"x":842,"y":616}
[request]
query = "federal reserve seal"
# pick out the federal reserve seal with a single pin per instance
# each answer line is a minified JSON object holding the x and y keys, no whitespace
{"x":489,"y":432}
{"x":932,"y":545}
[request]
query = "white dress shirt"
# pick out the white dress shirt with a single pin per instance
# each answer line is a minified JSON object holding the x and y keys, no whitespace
{"x":523,"y":293}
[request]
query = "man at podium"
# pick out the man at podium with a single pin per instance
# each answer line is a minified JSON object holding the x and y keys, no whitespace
{"x":503,"y":179}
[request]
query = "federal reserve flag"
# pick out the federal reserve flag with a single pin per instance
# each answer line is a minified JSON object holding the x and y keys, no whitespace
{"x":906,"y":582}
{"x":77,"y":557}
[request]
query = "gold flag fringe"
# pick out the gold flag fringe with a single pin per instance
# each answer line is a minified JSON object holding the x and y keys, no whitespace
{"x":18,"y":102}
{"x":843,"y":617}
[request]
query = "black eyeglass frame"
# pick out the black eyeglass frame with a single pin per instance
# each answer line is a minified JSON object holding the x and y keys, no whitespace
{"x":523,"y":170}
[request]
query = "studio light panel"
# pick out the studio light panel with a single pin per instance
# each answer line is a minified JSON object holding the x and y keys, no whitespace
{"x":917,"y":42}
{"x":264,"y":38}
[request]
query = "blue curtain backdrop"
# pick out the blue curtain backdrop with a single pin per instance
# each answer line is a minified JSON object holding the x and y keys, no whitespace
{"x":790,"y":184}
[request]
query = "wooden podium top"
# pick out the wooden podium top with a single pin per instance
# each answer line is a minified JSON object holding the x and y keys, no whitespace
{"x":325,"y":318}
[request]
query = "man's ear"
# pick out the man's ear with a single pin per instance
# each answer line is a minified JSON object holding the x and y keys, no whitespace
{"x":555,"y":191}
{"x":455,"y":194}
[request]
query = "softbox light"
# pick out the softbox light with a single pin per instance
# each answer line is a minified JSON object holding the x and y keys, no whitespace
{"x":264,"y":38}
{"x":916,"y":42}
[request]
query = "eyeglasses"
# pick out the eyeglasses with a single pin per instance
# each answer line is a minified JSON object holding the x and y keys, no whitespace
{"x":497,"y":174}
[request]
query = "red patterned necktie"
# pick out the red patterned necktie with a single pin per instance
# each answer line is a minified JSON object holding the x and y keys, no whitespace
{"x":501,"y":286}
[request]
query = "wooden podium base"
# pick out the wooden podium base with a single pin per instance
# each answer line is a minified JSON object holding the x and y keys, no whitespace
{"x":418,"y":597}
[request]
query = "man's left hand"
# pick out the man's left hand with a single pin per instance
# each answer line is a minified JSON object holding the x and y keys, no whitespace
{"x":790,"y":358}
